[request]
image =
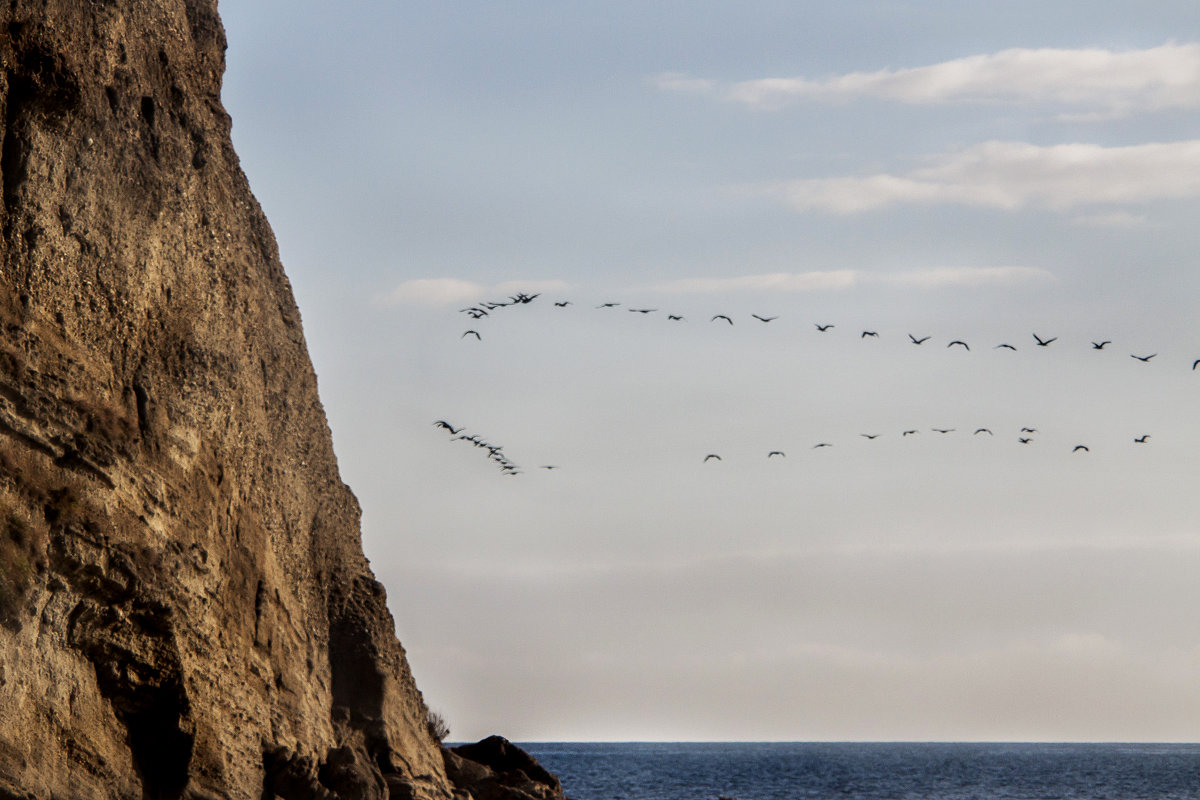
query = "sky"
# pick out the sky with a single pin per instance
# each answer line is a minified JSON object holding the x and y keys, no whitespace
{"x":977,"y":172}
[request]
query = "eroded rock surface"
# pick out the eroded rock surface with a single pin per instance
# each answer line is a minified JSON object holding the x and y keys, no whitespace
{"x":185,"y":610}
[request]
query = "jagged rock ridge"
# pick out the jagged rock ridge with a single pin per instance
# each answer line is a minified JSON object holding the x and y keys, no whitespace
{"x":185,"y":610}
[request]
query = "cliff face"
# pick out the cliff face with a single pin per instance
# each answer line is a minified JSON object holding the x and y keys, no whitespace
{"x":185,"y":610}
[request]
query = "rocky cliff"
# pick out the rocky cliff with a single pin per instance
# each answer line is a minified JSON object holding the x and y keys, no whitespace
{"x":185,"y":610}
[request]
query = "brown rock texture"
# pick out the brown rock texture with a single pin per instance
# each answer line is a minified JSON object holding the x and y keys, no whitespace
{"x":185,"y":609}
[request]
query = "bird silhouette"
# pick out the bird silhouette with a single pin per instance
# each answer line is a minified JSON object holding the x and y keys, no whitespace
{"x":549,"y":466}
{"x":711,"y":455}
{"x":915,"y":340}
{"x":1006,"y":346}
{"x":1024,"y":441}
{"x":942,"y":430}
{"x":721,"y":316}
{"x":441,"y":423}
{"x":823,"y":328}
{"x":1028,"y":430}
{"x":865,"y":334}
{"x":1195,"y":364}
{"x":643,"y":310}
{"x":763,"y":319}
{"x":1044,"y":342}
{"x":959,"y":341}
{"x":563,"y":304}
{"x":776,"y":453}
{"x":1144,"y":359}
{"x":675,"y":317}
{"x":1142,"y":439}
{"x":983,"y":430}
{"x":608,"y":305}
{"x":869,"y":435}
{"x":822,"y":444}
{"x":1100,"y":345}
{"x":1079,"y":447}
{"x":906,"y":433}
{"x":472,"y":333}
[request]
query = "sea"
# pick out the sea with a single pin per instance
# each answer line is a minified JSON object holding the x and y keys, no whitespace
{"x":872,"y":771}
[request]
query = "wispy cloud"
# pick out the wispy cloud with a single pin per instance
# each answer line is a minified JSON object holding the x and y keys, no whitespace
{"x":1113,"y":219}
{"x":1014,"y":175}
{"x":447,"y":291}
{"x":682,"y":82}
{"x":1106,"y":82}
{"x":773,"y":282}
{"x":846,"y":279}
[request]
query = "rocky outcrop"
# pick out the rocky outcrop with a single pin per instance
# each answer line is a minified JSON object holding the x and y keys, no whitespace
{"x":496,"y":769}
{"x":185,"y":610}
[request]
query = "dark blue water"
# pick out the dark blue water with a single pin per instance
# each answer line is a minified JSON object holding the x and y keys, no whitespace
{"x":888,"y":771}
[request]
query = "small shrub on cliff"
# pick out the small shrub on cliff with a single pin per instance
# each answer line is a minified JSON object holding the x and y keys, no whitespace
{"x":438,"y":728}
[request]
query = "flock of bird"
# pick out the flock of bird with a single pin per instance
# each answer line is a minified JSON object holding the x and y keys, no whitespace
{"x":495,"y":452}
{"x":1024,"y":436}
{"x":485,"y":309}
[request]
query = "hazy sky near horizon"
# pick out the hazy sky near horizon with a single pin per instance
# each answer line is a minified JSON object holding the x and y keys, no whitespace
{"x":962,"y":171}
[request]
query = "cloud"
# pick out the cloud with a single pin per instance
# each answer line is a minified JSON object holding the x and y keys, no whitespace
{"x":1114,"y":219}
{"x":1014,"y":175}
{"x":773,"y":282}
{"x":966,"y":276}
{"x":682,"y":82}
{"x":447,"y":291}
{"x":1116,"y":83}
{"x":849,"y":278}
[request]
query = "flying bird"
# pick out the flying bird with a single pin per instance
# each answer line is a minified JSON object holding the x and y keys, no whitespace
{"x":865,"y":334}
{"x":915,"y":340}
{"x":562,"y":304}
{"x":1044,"y":342}
{"x":711,"y":455}
{"x":822,"y":444}
{"x":906,"y":433}
{"x":1195,"y":364}
{"x":1100,"y":345}
{"x":823,"y":328}
{"x":549,"y":466}
{"x":1024,"y":441}
{"x":942,"y":430}
{"x":1006,"y":346}
{"x":441,"y":423}
{"x":608,"y":305}
{"x":1079,"y":447}
{"x":643,"y":310}
{"x":958,"y":341}
{"x":763,"y":319}
{"x":776,"y":453}
{"x":869,"y":435}
{"x":1028,"y":430}
{"x":675,"y":317}
{"x":1144,"y":359}
{"x":983,"y":430}
{"x":472,"y":333}
{"x":1142,"y":439}
{"x":721,"y":316}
